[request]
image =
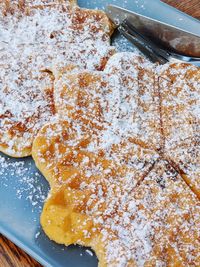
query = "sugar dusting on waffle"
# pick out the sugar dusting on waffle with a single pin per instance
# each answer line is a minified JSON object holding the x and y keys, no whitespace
{"x":142,"y":227}
{"x":113,"y":186}
{"x":123,"y":100}
{"x":97,"y":183}
{"x":180,"y":110}
{"x":31,"y":42}
{"x":124,"y":198}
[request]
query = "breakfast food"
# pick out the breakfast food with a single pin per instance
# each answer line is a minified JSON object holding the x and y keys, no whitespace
{"x":11,"y":6}
{"x":35,"y":36}
{"x":154,"y":223}
{"x":180,"y":111}
{"x":61,"y":146}
{"x":22,"y":113}
{"x":122,"y":99}
{"x":115,"y":186}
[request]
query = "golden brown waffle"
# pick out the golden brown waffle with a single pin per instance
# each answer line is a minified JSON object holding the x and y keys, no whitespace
{"x":23,"y":113}
{"x":64,"y":154}
{"x":180,"y":111}
{"x":61,"y":145}
{"x":122,"y":99}
{"x":24,"y":6}
{"x":114,"y":184}
{"x":122,"y":204}
{"x":34,"y":36}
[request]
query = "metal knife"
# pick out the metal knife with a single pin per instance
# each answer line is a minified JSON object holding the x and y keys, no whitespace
{"x":175,"y":42}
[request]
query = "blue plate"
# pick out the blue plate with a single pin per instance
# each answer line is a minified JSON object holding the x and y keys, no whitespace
{"x":23,"y":189}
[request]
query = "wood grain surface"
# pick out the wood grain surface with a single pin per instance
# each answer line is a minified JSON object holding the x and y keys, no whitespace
{"x":191,"y":7}
{"x":11,"y":255}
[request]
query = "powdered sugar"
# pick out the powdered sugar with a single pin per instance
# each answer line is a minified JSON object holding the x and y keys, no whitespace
{"x":32,"y":42}
{"x":113,"y":100}
{"x":28,"y":184}
{"x":133,"y":197}
{"x":180,"y":102}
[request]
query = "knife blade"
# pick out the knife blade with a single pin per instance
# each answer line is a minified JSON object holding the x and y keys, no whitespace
{"x":168,"y":36}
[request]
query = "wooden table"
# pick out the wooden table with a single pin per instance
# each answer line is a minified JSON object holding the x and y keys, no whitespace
{"x":191,"y":7}
{"x":11,"y":255}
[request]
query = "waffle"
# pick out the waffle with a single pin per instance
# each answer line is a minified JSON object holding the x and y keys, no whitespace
{"x":35,"y":36}
{"x":66,"y":157}
{"x":13,"y":6}
{"x":118,"y":99}
{"x":61,"y":146}
{"x":180,"y":102}
{"x":128,"y":205}
{"x":111,"y":160}
{"x":22,"y":114}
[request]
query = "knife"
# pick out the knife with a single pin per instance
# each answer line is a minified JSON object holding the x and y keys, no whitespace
{"x":170,"y":41}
